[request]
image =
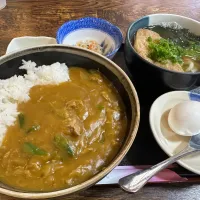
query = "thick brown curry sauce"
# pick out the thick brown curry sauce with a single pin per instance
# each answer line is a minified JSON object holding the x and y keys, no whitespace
{"x":64,"y":134}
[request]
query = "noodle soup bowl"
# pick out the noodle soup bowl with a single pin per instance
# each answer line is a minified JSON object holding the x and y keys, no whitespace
{"x":146,"y":74}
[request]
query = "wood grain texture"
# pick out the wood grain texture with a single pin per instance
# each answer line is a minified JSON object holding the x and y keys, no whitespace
{"x":164,"y":192}
{"x":43,"y":18}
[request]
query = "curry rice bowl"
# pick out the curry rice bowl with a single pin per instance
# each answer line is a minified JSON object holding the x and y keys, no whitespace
{"x":15,"y":90}
{"x":59,"y":126}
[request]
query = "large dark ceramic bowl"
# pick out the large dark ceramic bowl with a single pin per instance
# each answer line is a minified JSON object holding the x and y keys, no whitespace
{"x":147,"y":75}
{"x":72,"y":56}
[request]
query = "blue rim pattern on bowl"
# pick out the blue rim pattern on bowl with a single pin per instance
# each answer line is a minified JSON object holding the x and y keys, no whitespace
{"x":95,"y":23}
{"x":194,"y":95}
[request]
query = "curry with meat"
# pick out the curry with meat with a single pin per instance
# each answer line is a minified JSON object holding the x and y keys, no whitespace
{"x":64,"y":134}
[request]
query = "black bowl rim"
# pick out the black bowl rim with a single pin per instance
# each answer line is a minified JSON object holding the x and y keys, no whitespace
{"x":155,"y":66}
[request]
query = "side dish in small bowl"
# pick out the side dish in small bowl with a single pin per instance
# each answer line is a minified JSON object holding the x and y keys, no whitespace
{"x":164,"y":50}
{"x":91,"y":33}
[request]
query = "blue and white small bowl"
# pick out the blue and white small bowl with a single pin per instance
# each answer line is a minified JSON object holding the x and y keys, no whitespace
{"x":90,"y":28}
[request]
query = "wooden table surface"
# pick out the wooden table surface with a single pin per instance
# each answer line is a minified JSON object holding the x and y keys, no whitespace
{"x":43,"y":17}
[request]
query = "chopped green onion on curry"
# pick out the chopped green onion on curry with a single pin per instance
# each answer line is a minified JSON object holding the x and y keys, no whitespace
{"x":21,"y":120}
{"x":32,"y":149}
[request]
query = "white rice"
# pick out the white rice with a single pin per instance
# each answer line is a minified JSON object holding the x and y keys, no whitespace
{"x":16,"y":89}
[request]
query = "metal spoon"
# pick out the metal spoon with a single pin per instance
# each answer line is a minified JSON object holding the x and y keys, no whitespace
{"x":134,"y":182}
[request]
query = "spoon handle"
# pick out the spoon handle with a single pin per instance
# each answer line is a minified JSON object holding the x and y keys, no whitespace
{"x":134,"y":182}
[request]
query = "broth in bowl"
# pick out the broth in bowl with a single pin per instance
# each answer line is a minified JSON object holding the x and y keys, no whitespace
{"x":172,"y":48}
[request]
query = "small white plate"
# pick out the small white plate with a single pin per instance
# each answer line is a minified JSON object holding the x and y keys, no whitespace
{"x":170,"y":142}
{"x":26,"y":42}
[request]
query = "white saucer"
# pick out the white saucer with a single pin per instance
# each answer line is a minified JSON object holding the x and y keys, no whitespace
{"x":26,"y":42}
{"x":170,"y":142}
